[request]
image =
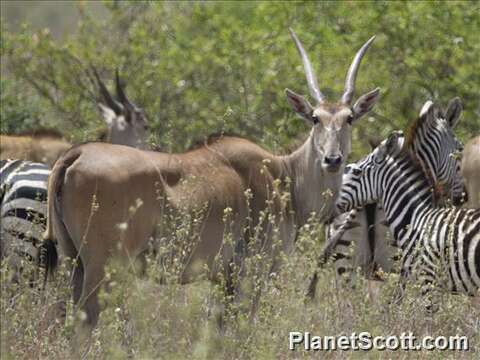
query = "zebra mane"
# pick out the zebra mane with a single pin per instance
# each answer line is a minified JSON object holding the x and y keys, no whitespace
{"x":438,"y":191}
{"x":410,"y":134}
{"x":411,"y":131}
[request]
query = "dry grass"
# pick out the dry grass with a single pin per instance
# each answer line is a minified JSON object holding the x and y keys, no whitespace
{"x":145,"y":319}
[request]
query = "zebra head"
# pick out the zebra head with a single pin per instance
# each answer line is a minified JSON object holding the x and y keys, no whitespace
{"x":362,"y":181}
{"x":431,"y":139}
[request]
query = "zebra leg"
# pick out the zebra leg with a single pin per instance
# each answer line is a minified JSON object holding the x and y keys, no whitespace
{"x":431,"y":296}
{"x":312,"y":286}
{"x":400,"y":290}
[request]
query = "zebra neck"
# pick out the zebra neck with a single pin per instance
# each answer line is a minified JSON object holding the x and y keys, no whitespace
{"x":407,"y":196}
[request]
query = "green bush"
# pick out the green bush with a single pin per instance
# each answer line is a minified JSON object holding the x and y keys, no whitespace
{"x":206,"y":67}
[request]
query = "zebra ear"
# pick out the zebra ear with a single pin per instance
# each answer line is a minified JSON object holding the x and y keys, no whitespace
{"x":388,"y":147}
{"x":391,"y":144}
{"x":454,"y":110}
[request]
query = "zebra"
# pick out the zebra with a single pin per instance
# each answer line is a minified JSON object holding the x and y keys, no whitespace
{"x":374,"y":253}
{"x":23,"y":211}
{"x":430,"y":135}
{"x":440,"y":246}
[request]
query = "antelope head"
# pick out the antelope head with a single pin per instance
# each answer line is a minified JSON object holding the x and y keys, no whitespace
{"x":331,"y":122}
{"x":126,"y":122}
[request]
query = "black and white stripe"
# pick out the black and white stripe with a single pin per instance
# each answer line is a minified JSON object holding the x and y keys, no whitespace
{"x":23,"y":209}
{"x":434,"y":146}
{"x":441,"y":246}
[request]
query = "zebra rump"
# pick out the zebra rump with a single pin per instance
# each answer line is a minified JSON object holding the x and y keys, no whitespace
{"x":23,"y":211}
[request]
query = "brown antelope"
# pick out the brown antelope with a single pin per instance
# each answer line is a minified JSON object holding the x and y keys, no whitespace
{"x":216,"y":176}
{"x":126,"y":122}
{"x":44,"y":146}
{"x":23,"y":184}
{"x":471,"y":171}
{"x":126,"y":125}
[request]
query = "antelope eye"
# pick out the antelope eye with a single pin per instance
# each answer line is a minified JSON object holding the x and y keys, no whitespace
{"x":315,"y":119}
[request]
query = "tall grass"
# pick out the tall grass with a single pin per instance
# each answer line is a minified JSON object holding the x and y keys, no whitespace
{"x":152,"y":316}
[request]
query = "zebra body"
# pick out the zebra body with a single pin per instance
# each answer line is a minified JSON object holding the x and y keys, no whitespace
{"x":431,"y":140}
{"x":364,"y":245}
{"x":439,"y":245}
{"x":23,"y":209}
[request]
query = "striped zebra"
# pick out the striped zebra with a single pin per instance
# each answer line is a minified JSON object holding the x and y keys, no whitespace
{"x":432,"y":136}
{"x":372,"y":251}
{"x":24,"y":183}
{"x":440,"y":246}
{"x":23,"y":210}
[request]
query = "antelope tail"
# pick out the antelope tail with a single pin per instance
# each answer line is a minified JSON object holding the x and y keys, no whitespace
{"x":55,"y":228}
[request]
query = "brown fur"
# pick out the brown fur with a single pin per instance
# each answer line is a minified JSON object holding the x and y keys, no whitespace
{"x":471,"y":171}
{"x":38,"y":148}
{"x":216,"y":175}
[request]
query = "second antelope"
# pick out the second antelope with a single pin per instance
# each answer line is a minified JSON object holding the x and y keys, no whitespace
{"x":216,"y":177}
{"x":23,"y":184}
{"x":471,"y":171}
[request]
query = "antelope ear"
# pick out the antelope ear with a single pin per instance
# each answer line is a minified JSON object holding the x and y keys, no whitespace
{"x":365,"y":103}
{"x":300,"y":105}
{"x":107,"y":114}
{"x":454,"y":110}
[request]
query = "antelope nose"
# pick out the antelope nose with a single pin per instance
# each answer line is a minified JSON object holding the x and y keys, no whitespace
{"x":333,"y":161}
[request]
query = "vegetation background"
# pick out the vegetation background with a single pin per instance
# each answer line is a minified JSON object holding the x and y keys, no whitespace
{"x":203,"y":67}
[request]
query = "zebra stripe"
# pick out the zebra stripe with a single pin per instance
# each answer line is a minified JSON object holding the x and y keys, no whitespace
{"x":439,"y":245}
{"x":434,"y":144}
{"x":23,"y":209}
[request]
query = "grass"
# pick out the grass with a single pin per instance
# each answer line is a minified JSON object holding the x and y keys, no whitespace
{"x":152,"y":316}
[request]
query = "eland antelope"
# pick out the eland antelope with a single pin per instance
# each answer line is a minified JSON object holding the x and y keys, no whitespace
{"x":227,"y":174}
{"x":43,"y":146}
{"x":126,"y":125}
{"x":24,"y":183}
{"x":471,"y":171}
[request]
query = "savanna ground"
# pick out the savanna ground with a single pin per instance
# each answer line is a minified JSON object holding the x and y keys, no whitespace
{"x":206,"y":67}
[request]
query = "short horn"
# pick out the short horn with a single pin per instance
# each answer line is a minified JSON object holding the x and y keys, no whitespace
{"x":352,"y":72}
{"x":115,"y":106}
{"x":311,"y":79}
